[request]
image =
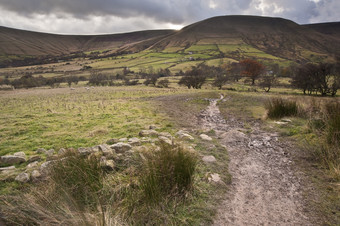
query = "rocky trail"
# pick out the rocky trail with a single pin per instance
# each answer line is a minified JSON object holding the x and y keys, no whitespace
{"x":265,"y":189}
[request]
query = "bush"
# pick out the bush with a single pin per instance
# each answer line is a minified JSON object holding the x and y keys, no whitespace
{"x":278,"y":108}
{"x":168,"y":172}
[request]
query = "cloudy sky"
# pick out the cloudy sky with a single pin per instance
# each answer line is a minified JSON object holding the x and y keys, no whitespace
{"x":113,"y":16}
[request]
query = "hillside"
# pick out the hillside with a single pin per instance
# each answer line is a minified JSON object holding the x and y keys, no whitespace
{"x":233,"y":37}
{"x":276,"y":36}
{"x":20,"y":42}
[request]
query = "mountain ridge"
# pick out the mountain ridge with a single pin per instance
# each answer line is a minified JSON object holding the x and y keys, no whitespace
{"x":276,"y":36}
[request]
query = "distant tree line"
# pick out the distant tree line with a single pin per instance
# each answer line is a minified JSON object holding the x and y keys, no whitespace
{"x":311,"y":78}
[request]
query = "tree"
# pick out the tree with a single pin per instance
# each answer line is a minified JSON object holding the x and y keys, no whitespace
{"x":194,"y":78}
{"x":252,"y":69}
{"x":97,"y":78}
{"x":320,"y":78}
{"x":152,"y":79}
{"x":220,"y":80}
{"x":164,"y":83}
{"x":267,"y":81}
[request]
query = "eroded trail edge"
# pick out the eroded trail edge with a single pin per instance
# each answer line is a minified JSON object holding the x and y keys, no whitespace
{"x":265,"y":190}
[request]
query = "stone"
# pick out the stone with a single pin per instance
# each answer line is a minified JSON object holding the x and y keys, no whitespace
{"x":152,"y":127}
{"x":165,"y":134}
{"x":2,"y":169}
{"x":112,"y":141}
{"x":62,"y":151}
{"x":84,"y":151}
{"x":183,"y":135}
{"x":32,"y":165}
{"x":50,"y":153}
{"x":209,"y":159}
{"x":34,"y":158}
{"x":109,"y":165}
{"x":165,"y":140}
{"x":45,"y":167}
{"x":23,"y":177}
{"x":103,"y":147}
{"x":20,"y":154}
{"x":124,"y":139}
{"x":134,"y":141}
{"x":121,"y":147}
{"x":41,"y":151}
{"x":35,"y":175}
{"x":12,"y":159}
{"x":215,"y":178}
{"x":286,"y":120}
{"x":205,"y":137}
{"x":148,"y":133}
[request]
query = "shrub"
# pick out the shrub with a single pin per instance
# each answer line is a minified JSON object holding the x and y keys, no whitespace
{"x":278,"y":108}
{"x":168,"y":172}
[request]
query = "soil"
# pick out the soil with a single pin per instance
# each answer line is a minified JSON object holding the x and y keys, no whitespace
{"x":266,"y":188}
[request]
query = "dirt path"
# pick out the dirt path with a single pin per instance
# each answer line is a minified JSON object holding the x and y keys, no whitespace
{"x":265,"y":190}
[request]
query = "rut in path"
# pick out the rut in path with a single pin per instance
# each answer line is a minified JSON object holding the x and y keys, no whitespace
{"x":264,"y":189}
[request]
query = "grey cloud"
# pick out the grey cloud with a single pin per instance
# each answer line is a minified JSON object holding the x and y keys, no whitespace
{"x":144,"y":14}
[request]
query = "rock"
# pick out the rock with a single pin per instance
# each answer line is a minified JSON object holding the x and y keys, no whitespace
{"x":84,"y":151}
{"x":35,"y":175}
{"x":121,"y":147}
{"x":145,"y":140}
{"x":209,"y":159}
{"x":108,"y":153}
{"x":45,"y":167}
{"x":280,"y":123}
{"x":134,"y":141}
{"x":124,"y":139}
{"x":286,"y":120}
{"x":104,"y":147}
{"x":109,"y":165}
{"x":34,"y":158}
{"x":152,"y":127}
{"x":205,"y":137}
{"x":165,"y":134}
{"x":32,"y":165}
{"x":49,"y":153}
{"x":165,"y":140}
{"x":12,"y":159}
{"x":2,"y":169}
{"x":234,"y":136}
{"x":41,"y":151}
{"x":20,"y":154}
{"x":23,"y":177}
{"x":215,"y":178}
{"x":62,"y":151}
{"x":183,"y":135}
{"x":148,"y":133}
{"x":112,"y":141}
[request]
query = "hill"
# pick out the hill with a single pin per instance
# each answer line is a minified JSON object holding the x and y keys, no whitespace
{"x":234,"y":37}
{"x":279,"y":37}
{"x":20,"y":42}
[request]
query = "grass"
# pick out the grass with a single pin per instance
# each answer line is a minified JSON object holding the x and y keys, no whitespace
{"x":56,"y":118}
{"x":278,"y":108}
{"x":168,"y":172}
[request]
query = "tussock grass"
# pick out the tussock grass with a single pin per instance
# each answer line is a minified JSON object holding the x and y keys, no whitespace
{"x":148,"y":190}
{"x":279,"y":108}
{"x":168,"y":172}
{"x":70,"y":196}
{"x":326,"y":123}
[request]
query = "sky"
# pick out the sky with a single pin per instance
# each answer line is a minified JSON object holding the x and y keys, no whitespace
{"x":117,"y":16}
